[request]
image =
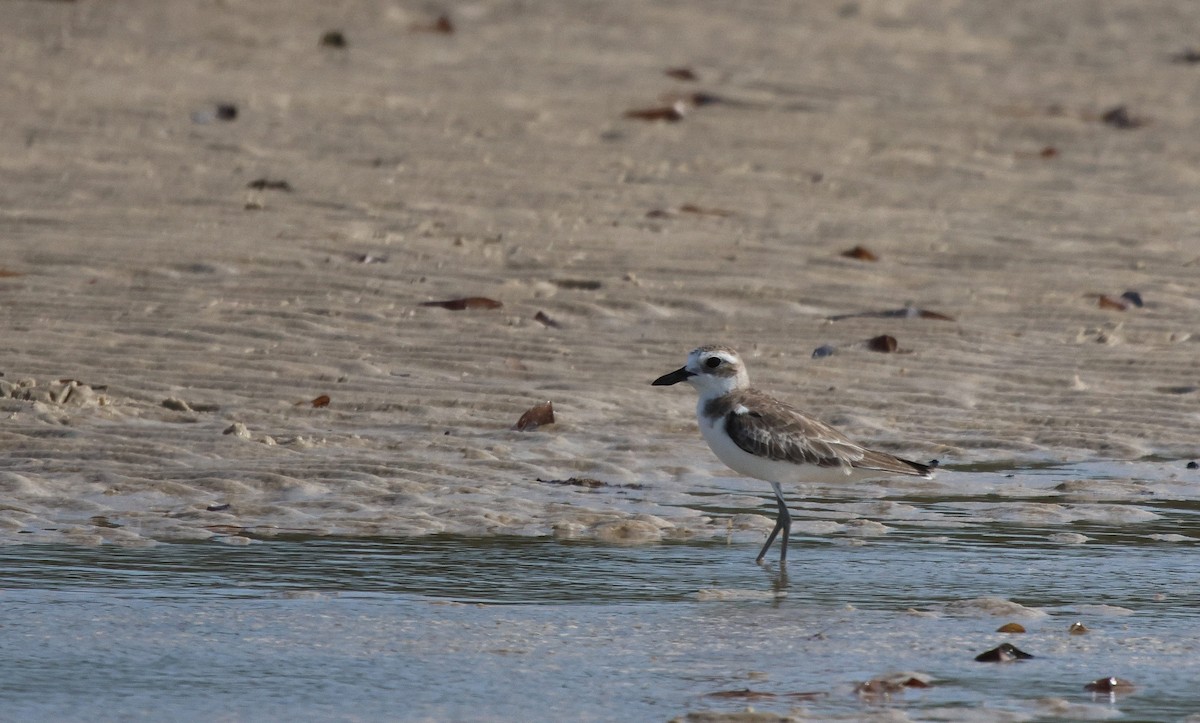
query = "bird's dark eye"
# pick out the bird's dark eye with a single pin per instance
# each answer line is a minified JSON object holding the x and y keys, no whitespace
{"x":713,"y":362}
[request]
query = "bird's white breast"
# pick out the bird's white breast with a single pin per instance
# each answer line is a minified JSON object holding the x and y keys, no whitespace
{"x":739,"y":460}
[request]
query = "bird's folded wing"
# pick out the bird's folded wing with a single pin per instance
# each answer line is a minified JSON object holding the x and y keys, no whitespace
{"x":770,"y":429}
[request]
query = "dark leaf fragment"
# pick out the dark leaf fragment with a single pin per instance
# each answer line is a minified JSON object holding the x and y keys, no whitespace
{"x":217,"y":508}
{"x":334,"y":39}
{"x":681,"y":73}
{"x":1118,"y":117}
{"x":269,"y":184}
{"x":908,"y":312}
{"x":227,"y":111}
{"x":577,"y":284}
{"x":884,"y":687}
{"x":587,"y":482}
{"x":702,"y":98}
{"x":1003,"y":653}
{"x":321,"y":401}
{"x":1181,"y":389}
{"x":704,"y":211}
{"x":470,"y":302}
{"x":1191,"y":55}
{"x":546,"y":320}
{"x":743,"y":694}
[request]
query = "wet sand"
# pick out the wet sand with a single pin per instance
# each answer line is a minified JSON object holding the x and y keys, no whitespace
{"x":964,"y":145}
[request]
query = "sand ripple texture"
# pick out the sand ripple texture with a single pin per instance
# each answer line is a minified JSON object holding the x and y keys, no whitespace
{"x":151,"y":300}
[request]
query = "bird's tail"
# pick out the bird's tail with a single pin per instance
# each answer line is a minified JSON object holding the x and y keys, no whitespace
{"x":884,"y":462}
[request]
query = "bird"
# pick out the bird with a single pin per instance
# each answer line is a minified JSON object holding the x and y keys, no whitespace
{"x":762,"y":437}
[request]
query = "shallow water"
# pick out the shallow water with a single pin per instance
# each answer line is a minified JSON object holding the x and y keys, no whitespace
{"x":503,"y":628}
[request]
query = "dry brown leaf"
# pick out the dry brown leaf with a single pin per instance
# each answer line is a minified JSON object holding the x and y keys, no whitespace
{"x":669,"y":113}
{"x":321,"y":401}
{"x":1011,"y":628}
{"x":7,"y":274}
{"x":862,"y":253}
{"x":538,"y":415}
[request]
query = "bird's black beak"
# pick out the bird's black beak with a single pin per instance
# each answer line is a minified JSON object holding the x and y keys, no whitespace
{"x":679,"y":375}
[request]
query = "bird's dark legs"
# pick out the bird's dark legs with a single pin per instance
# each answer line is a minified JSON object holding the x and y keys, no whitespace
{"x":782,"y":522}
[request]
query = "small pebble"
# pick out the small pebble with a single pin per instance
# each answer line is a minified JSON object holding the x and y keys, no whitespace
{"x":237,"y":429}
{"x":334,"y":39}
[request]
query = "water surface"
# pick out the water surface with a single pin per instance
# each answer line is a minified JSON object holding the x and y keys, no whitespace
{"x":505,"y":628}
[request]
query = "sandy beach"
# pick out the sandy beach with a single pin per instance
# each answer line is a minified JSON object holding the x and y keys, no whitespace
{"x":964,"y":145}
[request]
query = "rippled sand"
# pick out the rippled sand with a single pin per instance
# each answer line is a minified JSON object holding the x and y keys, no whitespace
{"x":962,"y":144}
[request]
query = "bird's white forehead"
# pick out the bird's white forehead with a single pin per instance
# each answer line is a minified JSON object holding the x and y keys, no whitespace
{"x":700,"y":355}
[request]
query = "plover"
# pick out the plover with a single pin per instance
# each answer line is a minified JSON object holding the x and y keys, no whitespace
{"x":762,"y":437}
